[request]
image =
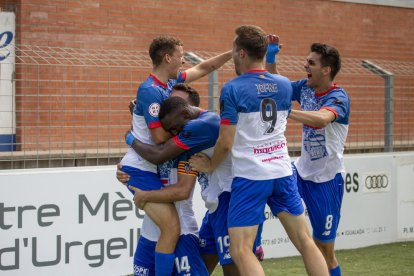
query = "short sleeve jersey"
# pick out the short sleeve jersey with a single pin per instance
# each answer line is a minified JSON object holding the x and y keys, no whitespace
{"x":201,"y":135}
{"x":150,"y":95}
{"x":322,"y":148}
{"x":258,"y":103}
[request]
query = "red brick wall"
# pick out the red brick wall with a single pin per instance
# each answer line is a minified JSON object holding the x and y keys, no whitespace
{"x":44,"y":122}
{"x":357,"y":30}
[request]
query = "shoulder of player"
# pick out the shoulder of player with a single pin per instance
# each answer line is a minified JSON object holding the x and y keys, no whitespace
{"x":203,"y":121}
{"x":278,"y":77}
{"x":148,"y":90}
{"x":338,"y":91}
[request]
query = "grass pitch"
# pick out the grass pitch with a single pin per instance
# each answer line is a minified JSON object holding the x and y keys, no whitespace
{"x":378,"y":260}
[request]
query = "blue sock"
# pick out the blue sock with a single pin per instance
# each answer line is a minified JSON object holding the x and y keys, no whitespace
{"x":164,"y":264}
{"x":335,"y":271}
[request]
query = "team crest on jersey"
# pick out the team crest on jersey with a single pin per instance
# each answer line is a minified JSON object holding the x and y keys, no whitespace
{"x":261,"y":76}
{"x":154,"y":109}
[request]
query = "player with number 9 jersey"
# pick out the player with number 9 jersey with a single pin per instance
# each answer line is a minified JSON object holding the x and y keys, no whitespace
{"x":259,"y":103}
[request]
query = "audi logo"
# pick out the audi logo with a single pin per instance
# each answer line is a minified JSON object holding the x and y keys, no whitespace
{"x":376,"y":181}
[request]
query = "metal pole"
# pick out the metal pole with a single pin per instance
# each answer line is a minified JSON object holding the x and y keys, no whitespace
{"x":213,"y":91}
{"x":389,"y":113}
{"x":388,"y":103}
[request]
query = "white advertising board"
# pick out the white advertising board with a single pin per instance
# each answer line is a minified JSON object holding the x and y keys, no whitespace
{"x":405,"y":174}
{"x":66,"y":222}
{"x":369,"y":210}
{"x":7,"y":65}
{"x":80,"y":221}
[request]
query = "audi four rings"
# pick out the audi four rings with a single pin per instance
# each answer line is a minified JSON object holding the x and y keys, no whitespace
{"x":376,"y":181}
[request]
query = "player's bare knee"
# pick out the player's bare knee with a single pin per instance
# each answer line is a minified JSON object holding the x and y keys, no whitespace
{"x":171,"y":229}
{"x":237,"y":252}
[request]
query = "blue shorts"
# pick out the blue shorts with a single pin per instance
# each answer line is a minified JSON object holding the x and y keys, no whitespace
{"x":249,"y":198}
{"x":214,"y":233}
{"x":187,"y":257}
{"x":143,"y":180}
{"x":323,"y":201}
{"x":144,"y":258}
{"x":188,"y":260}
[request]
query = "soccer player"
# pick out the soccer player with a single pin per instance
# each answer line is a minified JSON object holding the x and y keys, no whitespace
{"x":324,"y":113}
{"x":254,"y":107}
{"x":188,"y":260}
{"x":195,"y":130}
{"x":167,"y":57}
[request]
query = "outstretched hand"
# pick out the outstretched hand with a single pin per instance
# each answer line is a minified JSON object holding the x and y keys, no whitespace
{"x":200,"y":162}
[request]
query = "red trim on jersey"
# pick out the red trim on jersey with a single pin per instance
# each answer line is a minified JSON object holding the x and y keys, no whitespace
{"x":225,"y":122}
{"x":184,"y":75}
{"x":154,"y":124}
{"x":256,"y":71}
{"x":330,"y":109}
{"x":312,"y":126}
{"x":326,"y":92}
{"x":180,"y":144}
{"x":164,"y":181}
{"x":157,"y":81}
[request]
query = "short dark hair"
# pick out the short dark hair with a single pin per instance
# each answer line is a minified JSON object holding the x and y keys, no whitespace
{"x":329,"y":57}
{"x":162,"y":45}
{"x":171,"y":105}
{"x":193,"y":95}
{"x":252,"y":39}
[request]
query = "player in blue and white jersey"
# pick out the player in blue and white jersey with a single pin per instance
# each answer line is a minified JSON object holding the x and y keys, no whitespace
{"x":167,"y":57}
{"x":196,"y":130}
{"x":324,"y":113}
{"x":188,"y":260}
{"x":254,"y":108}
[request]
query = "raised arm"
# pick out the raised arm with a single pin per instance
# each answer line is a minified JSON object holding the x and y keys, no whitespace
{"x":207,"y":66}
{"x":272,"y":50}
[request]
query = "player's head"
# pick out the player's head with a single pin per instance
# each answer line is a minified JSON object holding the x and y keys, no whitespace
{"x":174,"y":113}
{"x":187,"y":93}
{"x":323,"y":62}
{"x":168,"y":51}
{"x":249,"y":45}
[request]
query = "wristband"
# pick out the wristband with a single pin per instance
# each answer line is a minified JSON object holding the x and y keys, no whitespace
{"x":129,"y":139}
{"x":272,"y":51}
